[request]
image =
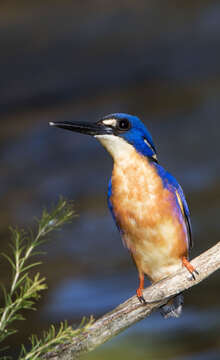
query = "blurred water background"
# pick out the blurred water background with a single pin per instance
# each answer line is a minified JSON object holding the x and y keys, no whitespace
{"x":66,"y":60}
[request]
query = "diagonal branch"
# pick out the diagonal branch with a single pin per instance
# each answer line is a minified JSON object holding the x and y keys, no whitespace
{"x":131,"y":311}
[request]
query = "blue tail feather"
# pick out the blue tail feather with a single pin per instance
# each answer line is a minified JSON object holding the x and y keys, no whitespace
{"x":173,"y":308}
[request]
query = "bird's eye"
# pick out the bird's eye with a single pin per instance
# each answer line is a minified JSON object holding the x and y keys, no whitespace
{"x":123,"y":125}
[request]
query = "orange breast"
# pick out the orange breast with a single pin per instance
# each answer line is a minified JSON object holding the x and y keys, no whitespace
{"x":145,"y":211}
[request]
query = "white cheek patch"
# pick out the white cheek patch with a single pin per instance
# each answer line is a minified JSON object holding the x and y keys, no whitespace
{"x":110,"y":122}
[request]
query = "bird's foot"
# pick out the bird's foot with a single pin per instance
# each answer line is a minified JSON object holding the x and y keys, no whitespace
{"x":190,"y":268}
{"x":140,"y":296}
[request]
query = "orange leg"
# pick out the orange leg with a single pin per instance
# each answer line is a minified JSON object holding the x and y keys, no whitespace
{"x":139,"y":290}
{"x":189,"y":267}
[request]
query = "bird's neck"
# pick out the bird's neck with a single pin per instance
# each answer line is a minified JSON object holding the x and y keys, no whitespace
{"x":127,"y":159}
{"x":120,"y":150}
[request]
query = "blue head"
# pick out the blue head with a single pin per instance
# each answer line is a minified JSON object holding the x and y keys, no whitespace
{"x":131,"y":129}
{"x":114,"y":131}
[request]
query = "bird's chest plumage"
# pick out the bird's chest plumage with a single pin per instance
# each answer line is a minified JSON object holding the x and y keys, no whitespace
{"x":145,"y":212}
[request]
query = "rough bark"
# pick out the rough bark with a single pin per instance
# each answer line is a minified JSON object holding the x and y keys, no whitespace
{"x":131,"y":311}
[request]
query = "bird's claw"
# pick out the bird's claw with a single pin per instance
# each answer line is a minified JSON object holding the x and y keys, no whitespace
{"x":190,"y":268}
{"x":194,"y":273}
{"x":140,"y":296}
{"x":141,"y":299}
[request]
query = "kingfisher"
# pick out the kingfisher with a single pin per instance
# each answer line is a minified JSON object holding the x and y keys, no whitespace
{"x":147,"y":203}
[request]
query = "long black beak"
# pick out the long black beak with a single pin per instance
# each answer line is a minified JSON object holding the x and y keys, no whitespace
{"x":84,"y":127}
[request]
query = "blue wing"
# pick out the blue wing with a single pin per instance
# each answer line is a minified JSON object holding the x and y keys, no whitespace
{"x":109,"y":198}
{"x":110,"y":204}
{"x":185,"y":211}
{"x":169,"y":180}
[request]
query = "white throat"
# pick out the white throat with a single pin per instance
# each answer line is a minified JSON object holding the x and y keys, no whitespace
{"x":116,"y":146}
